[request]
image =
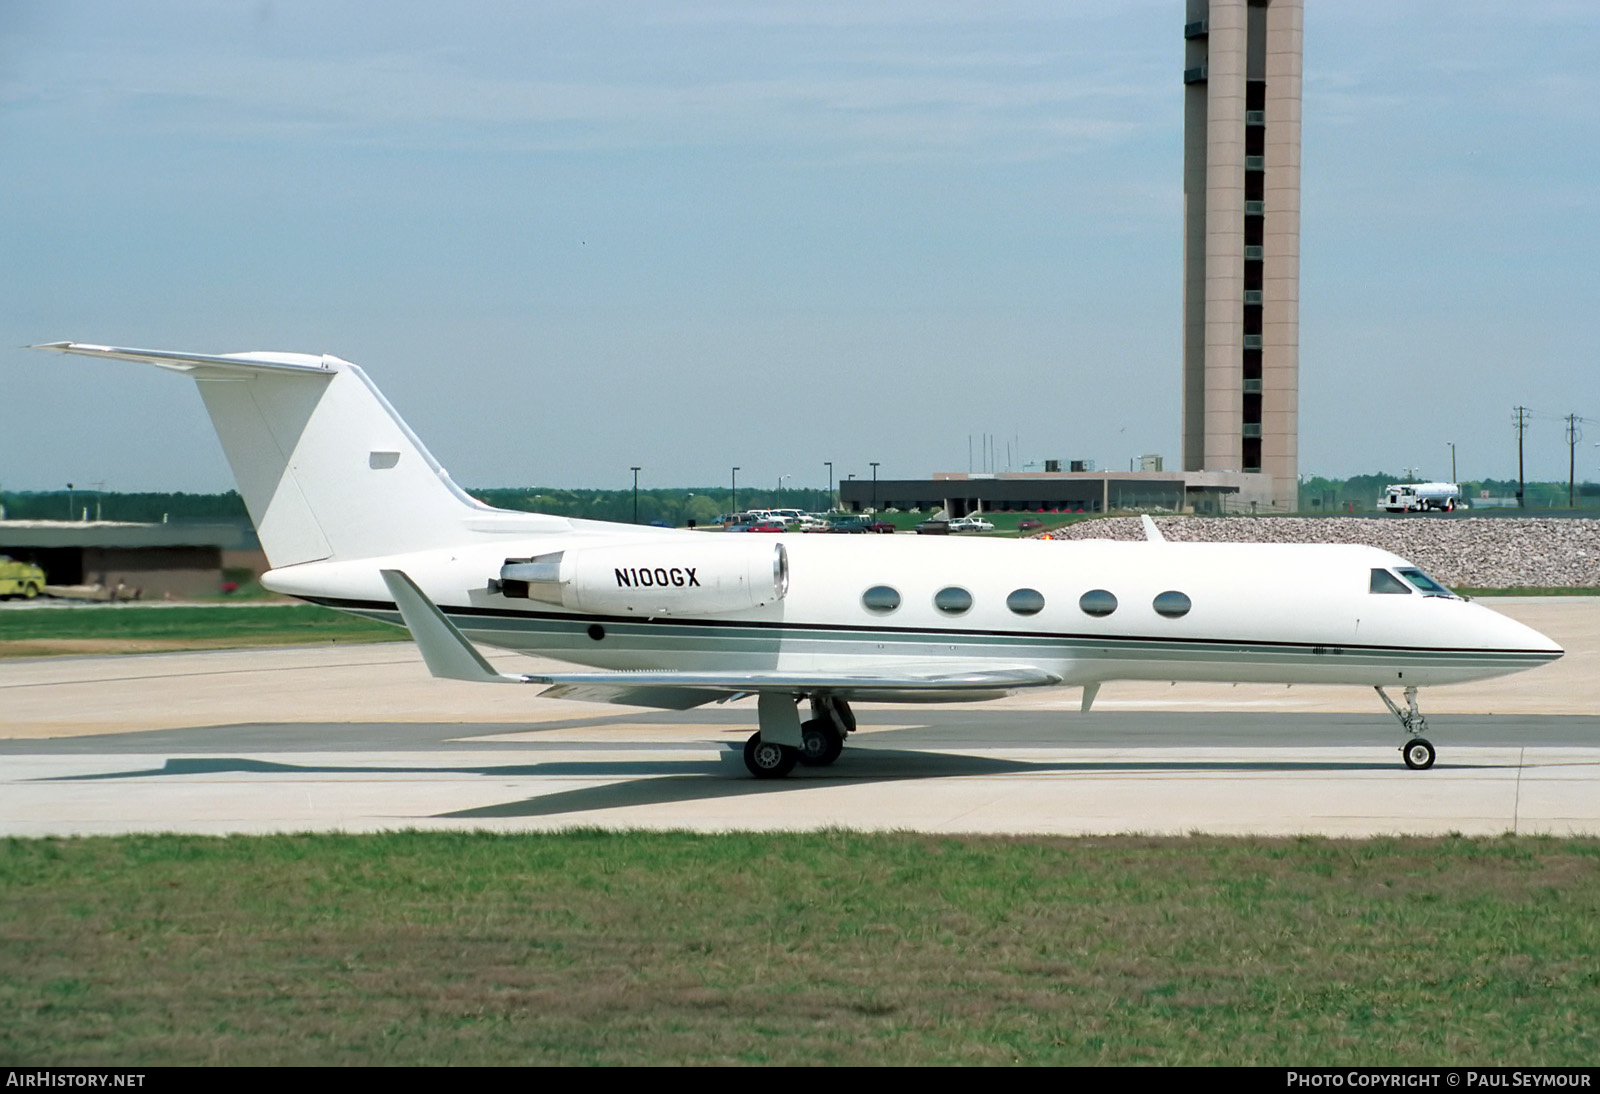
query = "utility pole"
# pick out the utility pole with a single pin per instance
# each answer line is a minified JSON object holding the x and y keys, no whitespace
{"x":829,"y":464}
{"x":1522,"y":424}
{"x":735,"y":502}
{"x":1573,"y":437}
{"x":1452,"y":445}
{"x":635,"y":471}
{"x":69,"y":501}
{"x":874,"y":485}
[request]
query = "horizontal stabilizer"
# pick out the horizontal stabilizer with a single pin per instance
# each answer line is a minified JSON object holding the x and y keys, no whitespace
{"x":202,"y":363}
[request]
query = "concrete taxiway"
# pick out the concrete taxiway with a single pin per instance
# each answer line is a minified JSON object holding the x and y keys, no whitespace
{"x":360,"y":738}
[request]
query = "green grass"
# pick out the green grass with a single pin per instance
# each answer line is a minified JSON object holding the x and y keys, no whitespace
{"x":833,"y":947}
{"x":198,"y":627}
{"x":1531,"y":590}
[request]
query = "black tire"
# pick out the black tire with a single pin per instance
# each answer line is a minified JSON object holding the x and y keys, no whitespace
{"x":767,"y":759}
{"x":822,"y":743}
{"x":30,"y":592}
{"x":1418,"y":754}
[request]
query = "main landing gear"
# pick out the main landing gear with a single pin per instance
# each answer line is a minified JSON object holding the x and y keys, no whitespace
{"x":769,"y":759}
{"x":821,"y":739}
{"x":1418,"y":750}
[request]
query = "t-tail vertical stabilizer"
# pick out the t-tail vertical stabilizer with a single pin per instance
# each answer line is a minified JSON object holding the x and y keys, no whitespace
{"x":326,"y":467}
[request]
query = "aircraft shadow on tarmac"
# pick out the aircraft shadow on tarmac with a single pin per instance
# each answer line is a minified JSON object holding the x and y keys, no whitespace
{"x":664,"y":781}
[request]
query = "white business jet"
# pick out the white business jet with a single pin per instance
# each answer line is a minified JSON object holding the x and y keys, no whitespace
{"x":354,"y":513}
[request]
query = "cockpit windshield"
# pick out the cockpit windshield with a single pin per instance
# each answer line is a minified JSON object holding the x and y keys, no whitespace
{"x":1385,"y":582}
{"x":1425,"y":584}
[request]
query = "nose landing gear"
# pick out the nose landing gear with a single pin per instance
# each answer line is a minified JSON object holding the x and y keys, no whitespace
{"x":1418,"y":754}
{"x":1417,"y":750}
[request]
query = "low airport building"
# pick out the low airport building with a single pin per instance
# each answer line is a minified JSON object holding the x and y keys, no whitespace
{"x":135,"y":561}
{"x":961,"y":494}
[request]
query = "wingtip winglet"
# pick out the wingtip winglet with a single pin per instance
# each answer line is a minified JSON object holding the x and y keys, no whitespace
{"x":446,"y":651}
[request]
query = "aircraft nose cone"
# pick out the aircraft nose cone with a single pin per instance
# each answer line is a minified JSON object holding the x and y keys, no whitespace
{"x":1524,"y":639}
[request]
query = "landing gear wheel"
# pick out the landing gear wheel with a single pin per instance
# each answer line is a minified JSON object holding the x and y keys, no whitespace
{"x":768,"y":759}
{"x":1418,"y":754}
{"x":822,"y":743}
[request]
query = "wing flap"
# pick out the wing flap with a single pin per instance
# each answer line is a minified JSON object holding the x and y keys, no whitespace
{"x":662,"y":698}
{"x":734,"y":682}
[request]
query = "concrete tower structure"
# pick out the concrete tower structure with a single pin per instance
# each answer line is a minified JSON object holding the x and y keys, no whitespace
{"x":1241,"y":243}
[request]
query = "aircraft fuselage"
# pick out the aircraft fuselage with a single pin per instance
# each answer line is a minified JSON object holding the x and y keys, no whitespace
{"x":1243,"y":612}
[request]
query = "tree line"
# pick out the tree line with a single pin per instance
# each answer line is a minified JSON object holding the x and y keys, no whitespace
{"x":678,"y":506}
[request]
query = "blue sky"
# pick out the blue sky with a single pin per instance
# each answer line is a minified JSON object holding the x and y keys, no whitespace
{"x":570,"y":238}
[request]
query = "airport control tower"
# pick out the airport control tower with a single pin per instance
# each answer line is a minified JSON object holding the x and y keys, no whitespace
{"x":1241,"y":241}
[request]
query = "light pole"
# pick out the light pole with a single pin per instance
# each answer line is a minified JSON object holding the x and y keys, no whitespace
{"x":69,"y":501}
{"x":735,"y":502}
{"x":780,"y":488}
{"x":635,"y":471}
{"x":1452,"y":445}
{"x":829,"y":465}
{"x":874,"y":485}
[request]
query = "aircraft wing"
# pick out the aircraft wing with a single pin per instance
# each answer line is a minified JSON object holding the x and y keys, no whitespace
{"x":449,"y":654}
{"x":681,"y":690}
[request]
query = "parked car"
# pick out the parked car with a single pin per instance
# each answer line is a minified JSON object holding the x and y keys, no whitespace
{"x":971,"y":524}
{"x":850,"y":524}
{"x":1031,"y":524}
{"x":934,"y":528}
{"x":882,"y":526}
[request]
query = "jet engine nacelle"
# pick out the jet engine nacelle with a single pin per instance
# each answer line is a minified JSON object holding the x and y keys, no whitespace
{"x":698,"y":576}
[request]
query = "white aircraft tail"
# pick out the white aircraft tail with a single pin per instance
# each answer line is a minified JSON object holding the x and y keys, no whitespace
{"x":326,"y":467}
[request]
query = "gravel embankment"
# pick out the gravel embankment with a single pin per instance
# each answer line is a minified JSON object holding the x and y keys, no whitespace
{"x":1477,"y":553}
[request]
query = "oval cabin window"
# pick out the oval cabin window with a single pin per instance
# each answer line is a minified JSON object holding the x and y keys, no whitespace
{"x":1098,"y":603}
{"x":1026,"y":602}
{"x":1172,"y":605}
{"x":880,"y":598}
{"x":952,"y":601}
